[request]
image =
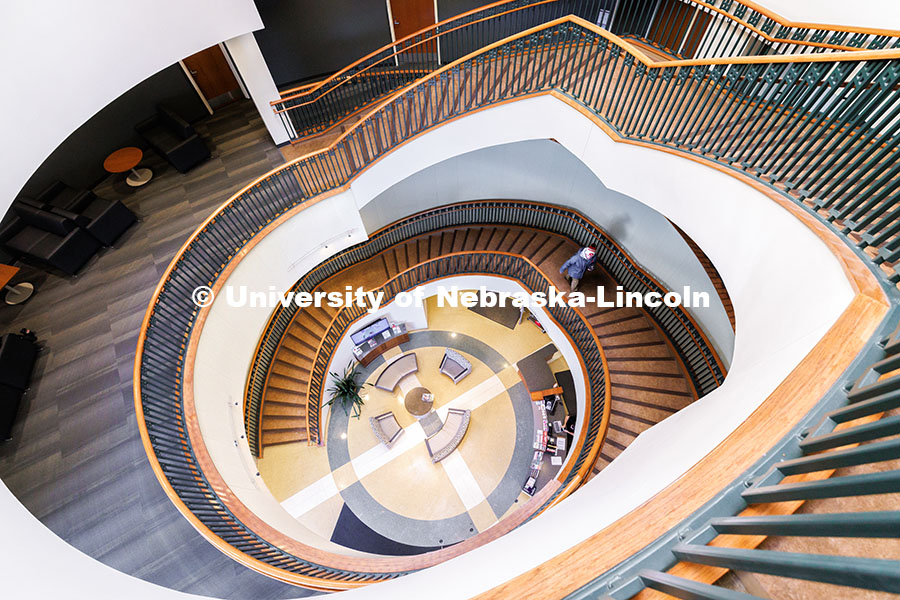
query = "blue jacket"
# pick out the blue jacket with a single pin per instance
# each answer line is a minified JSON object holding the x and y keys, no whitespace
{"x":577,"y":265}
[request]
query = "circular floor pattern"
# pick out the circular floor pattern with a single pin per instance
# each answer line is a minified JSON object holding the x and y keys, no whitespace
{"x":407,"y":500}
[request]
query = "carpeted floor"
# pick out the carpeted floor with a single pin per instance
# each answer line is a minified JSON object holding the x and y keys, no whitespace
{"x":76,"y":460}
{"x":350,"y":532}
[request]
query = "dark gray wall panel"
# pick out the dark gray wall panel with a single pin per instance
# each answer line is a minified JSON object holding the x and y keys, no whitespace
{"x":451,"y":8}
{"x":79,"y":159}
{"x":307,"y":38}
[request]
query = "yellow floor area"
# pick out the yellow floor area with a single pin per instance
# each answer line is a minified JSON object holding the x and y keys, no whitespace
{"x":409,"y":484}
{"x":514,"y":345}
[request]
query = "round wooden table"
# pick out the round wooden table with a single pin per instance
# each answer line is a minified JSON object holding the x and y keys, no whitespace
{"x":126,"y":159}
{"x":15,"y":294}
{"x":414,"y":403}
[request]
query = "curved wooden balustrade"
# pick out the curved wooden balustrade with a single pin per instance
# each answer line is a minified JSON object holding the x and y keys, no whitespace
{"x":286,"y":371}
{"x":689,"y":29}
{"x":647,"y":380}
{"x":712,"y":273}
{"x":335,"y":571}
{"x":817,"y":129}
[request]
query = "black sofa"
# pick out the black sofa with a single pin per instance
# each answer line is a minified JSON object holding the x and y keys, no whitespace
{"x":104,"y":219}
{"x":47,"y":238}
{"x":17,"y":357}
{"x":60,"y":195}
{"x":174,"y":139}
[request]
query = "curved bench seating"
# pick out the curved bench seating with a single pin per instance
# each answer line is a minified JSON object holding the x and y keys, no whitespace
{"x":445,"y":441}
{"x":454,"y":365}
{"x":386,"y":428}
{"x":399,"y":368}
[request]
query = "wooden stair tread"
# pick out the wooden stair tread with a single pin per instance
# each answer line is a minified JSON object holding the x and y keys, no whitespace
{"x":648,"y":382}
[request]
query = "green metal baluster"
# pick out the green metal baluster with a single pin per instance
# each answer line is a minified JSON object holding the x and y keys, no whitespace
{"x":857,"y":97}
{"x":722,"y":110}
{"x":792,"y":93}
{"x":639,"y":99}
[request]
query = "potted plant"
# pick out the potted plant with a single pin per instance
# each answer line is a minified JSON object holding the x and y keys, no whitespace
{"x":345,"y":391}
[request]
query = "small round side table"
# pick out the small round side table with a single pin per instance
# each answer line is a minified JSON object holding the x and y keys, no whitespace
{"x":126,"y":159}
{"x":415,"y":404}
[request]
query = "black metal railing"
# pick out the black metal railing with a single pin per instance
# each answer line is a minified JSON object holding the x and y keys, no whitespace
{"x":865,"y":400}
{"x":317,"y":108}
{"x":681,"y":29}
{"x":703,"y":365}
{"x":529,"y":276}
{"x":820,"y":128}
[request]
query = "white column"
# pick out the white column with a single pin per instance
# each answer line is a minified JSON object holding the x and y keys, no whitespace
{"x":258,"y":80}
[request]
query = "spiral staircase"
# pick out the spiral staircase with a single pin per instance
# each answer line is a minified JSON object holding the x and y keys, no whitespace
{"x":806,"y":114}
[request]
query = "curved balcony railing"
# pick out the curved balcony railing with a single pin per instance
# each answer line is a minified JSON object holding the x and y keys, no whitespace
{"x":314,"y":108}
{"x":570,"y":320}
{"x":689,"y":29}
{"x":844,"y":449}
{"x":703,"y":365}
{"x":719,"y":28}
{"x":819,"y":129}
{"x":215,"y":508}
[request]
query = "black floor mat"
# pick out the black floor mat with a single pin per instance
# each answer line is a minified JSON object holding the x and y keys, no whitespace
{"x":350,"y":532}
{"x":507,"y":316}
{"x":565,"y":381}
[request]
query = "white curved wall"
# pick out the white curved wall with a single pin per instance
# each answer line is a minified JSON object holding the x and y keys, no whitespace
{"x":782,"y":310}
{"x":61,"y":62}
{"x":879,"y":14}
{"x":741,"y":231}
{"x":228,"y":342}
{"x":544,"y":171}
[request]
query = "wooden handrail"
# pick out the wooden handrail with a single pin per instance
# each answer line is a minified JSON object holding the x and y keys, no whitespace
{"x":792,"y":400}
{"x":785,"y":22}
{"x":621,"y":43}
{"x":607,"y":393}
{"x":395,"y":54}
{"x":630,"y":264}
{"x":306,"y":89}
{"x":351,"y":563}
{"x":845,"y":350}
{"x":312,"y":87}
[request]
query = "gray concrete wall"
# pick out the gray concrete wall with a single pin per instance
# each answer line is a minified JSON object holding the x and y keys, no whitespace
{"x":544,"y":171}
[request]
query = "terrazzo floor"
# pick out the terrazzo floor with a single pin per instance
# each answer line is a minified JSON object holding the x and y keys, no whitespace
{"x":364,"y":496}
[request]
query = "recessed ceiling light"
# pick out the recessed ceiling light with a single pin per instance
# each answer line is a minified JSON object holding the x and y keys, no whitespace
{"x":344,"y":436}
{"x":453,"y":334}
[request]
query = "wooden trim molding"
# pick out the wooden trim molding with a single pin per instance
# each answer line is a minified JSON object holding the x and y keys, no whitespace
{"x":790,"y":401}
{"x":774,"y":418}
{"x":308,"y":88}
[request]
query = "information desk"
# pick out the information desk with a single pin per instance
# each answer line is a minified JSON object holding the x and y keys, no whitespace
{"x":543,"y":470}
{"x":380,"y":344}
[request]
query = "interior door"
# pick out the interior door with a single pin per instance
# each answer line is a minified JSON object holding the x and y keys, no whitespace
{"x":213,"y":76}
{"x":409,"y":16}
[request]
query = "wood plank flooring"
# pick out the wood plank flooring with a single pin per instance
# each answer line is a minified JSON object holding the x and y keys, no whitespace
{"x":76,"y":459}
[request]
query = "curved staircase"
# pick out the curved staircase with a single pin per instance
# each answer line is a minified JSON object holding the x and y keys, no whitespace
{"x":649,"y":382}
{"x":283,"y":418}
{"x":816,"y":132}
